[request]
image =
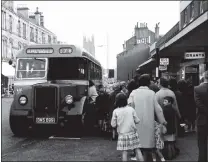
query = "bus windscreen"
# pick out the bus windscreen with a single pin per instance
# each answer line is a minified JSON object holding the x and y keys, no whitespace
{"x":31,"y":68}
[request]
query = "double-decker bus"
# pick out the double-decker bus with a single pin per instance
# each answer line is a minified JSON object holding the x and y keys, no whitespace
{"x":51,"y":85}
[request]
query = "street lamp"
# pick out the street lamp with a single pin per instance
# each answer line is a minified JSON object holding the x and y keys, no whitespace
{"x":100,"y":46}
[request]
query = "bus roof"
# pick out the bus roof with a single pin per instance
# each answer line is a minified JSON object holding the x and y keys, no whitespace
{"x":77,"y":52}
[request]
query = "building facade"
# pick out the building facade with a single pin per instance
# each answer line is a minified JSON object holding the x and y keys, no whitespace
{"x":20,"y":28}
{"x":194,"y":61}
{"x":185,"y":45}
{"x":128,"y":61}
{"x":89,"y":44}
{"x":136,"y":50}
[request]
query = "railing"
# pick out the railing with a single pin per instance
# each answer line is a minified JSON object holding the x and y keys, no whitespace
{"x":170,"y":34}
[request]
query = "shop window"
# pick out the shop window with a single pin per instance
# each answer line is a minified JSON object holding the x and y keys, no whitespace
{"x":185,"y":17}
{"x":192,"y":11}
{"x":202,"y":4}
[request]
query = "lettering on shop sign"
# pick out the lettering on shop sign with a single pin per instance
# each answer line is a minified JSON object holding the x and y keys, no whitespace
{"x":194,"y":55}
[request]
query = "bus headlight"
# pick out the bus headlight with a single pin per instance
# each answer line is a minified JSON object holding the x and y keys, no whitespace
{"x":23,"y":100}
{"x":68,"y":99}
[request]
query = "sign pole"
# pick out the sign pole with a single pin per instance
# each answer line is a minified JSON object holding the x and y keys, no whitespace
{"x":206,"y":58}
{"x":157,"y":63}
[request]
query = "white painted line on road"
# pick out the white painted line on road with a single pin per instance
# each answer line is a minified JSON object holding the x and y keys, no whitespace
{"x":64,"y":138}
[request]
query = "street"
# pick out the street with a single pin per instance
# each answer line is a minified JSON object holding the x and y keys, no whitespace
{"x":87,"y":148}
{"x":22,"y":149}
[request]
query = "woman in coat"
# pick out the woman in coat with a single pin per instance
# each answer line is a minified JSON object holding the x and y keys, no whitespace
{"x":144,"y":101}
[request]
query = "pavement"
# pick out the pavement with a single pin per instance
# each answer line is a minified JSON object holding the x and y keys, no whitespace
{"x":188,"y":148}
{"x":86,"y":148}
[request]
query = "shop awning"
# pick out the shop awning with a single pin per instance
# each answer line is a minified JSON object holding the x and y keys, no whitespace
{"x":151,"y":60}
{"x":7,"y":70}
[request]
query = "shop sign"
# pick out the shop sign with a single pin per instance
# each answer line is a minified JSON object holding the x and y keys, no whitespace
{"x":164,"y":61}
{"x":191,"y":70}
{"x":163,"y":67}
{"x":194,"y":55}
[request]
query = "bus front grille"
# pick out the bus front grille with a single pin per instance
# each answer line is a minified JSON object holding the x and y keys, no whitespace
{"x":45,"y":99}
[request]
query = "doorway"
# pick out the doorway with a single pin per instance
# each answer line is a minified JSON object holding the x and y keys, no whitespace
{"x":192,"y":74}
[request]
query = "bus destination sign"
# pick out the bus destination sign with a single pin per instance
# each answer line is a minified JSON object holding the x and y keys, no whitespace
{"x":65,"y":50}
{"x":39,"y":51}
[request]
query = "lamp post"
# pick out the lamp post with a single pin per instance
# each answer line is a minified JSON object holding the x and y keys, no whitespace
{"x":158,"y":63}
{"x":107,"y":50}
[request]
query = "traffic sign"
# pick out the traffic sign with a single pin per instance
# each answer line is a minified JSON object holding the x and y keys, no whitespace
{"x":164,"y":61}
{"x":163,"y":67}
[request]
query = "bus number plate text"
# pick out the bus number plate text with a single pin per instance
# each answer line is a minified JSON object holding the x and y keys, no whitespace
{"x":45,"y":120}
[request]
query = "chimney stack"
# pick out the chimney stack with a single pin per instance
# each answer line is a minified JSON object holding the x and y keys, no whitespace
{"x":37,"y":16}
{"x":23,"y":10}
{"x":157,"y":32}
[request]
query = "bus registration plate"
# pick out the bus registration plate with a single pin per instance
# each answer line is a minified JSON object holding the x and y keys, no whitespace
{"x":45,"y":120}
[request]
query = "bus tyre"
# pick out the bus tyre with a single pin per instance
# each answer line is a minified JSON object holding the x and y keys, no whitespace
{"x":19,"y":126}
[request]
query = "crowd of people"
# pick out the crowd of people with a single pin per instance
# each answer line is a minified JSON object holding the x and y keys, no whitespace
{"x":147,"y":116}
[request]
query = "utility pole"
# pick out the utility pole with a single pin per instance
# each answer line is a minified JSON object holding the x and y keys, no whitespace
{"x":107,"y":46}
{"x":107,"y":53}
{"x":158,"y":63}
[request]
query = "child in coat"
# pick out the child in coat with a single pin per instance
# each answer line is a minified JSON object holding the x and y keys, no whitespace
{"x":125,"y":119}
{"x":169,"y":137}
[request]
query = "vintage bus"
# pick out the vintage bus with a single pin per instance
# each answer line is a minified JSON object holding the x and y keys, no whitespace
{"x":51,"y":86}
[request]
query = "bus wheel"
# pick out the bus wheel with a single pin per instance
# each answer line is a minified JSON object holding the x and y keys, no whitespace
{"x":19,"y":126}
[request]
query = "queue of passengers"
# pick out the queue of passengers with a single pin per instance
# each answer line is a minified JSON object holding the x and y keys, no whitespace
{"x":147,"y":116}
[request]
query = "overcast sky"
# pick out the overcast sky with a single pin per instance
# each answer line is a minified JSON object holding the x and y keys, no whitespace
{"x":70,"y":20}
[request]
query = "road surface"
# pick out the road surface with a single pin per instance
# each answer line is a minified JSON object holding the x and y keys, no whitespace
{"x":87,"y":148}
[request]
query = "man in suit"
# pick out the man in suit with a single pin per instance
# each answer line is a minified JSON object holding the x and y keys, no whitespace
{"x":201,"y":99}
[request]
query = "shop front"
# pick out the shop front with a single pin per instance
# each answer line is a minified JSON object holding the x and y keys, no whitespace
{"x":7,"y":75}
{"x":193,"y":66}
